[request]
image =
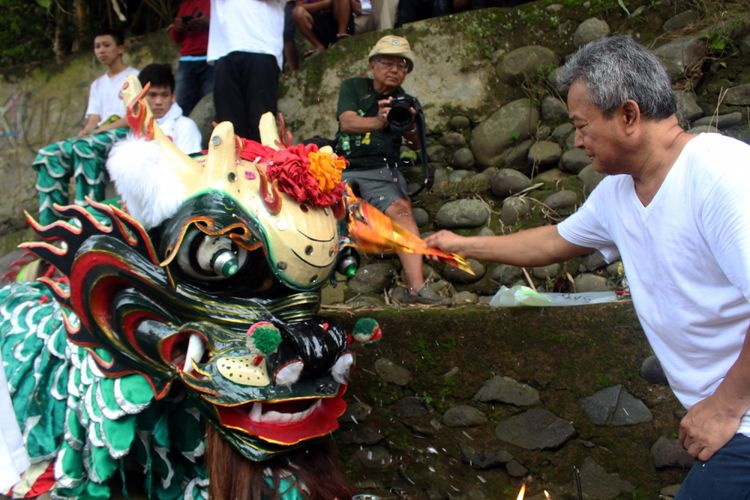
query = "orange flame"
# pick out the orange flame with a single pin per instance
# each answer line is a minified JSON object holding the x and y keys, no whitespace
{"x":521,"y":492}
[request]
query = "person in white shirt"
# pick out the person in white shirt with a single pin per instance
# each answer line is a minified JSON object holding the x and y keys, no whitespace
{"x":161,"y":99}
{"x":675,"y":208}
{"x":245,"y":44}
{"x":82,"y":156}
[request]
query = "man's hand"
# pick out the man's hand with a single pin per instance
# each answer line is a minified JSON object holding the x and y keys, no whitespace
{"x":707,"y":427}
{"x":384,"y":107}
{"x":446,"y":241}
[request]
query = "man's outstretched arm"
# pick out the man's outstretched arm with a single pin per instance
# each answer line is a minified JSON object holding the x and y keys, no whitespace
{"x":539,"y":246}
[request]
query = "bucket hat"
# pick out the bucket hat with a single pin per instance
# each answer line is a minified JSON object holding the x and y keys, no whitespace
{"x":391,"y":45}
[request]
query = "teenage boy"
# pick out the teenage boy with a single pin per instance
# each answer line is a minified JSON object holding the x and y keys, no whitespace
{"x":82,"y":156}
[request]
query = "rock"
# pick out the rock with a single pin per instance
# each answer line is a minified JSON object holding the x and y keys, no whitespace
{"x":463,"y":158}
{"x":375,"y":457}
{"x":574,"y":160}
{"x":459,"y":175}
{"x":356,"y":412}
{"x":720,"y":121}
{"x":517,"y":156}
{"x":670,"y":453}
{"x":552,"y":175}
{"x":456,"y":275}
{"x":365,"y":301}
{"x":562,"y":131}
{"x":421,"y":217}
{"x":506,"y":274}
{"x":464,"y":416}
{"x":390,"y":372}
{"x":589,"y":30}
{"x":594,"y":261}
{"x":702,"y":129}
{"x":459,"y":122}
{"x":544,"y":153}
{"x":615,"y":406}
{"x":483,"y":459}
{"x":462,"y":213}
{"x":485,"y":231}
{"x":588,"y":282}
{"x":409,"y":407}
{"x":513,"y":122}
{"x":420,"y":429}
{"x":543,"y":132}
{"x":670,"y":491}
{"x":515,"y":469}
{"x":681,"y":54}
{"x":745,"y":44}
{"x":590,"y":177}
{"x":372,"y":278}
{"x":554,"y":110}
{"x":464,"y":298}
{"x":514,"y":209}
{"x":687,"y":107}
{"x":436,"y":152}
{"x":203,"y":115}
{"x":507,"y":182}
{"x":562,"y":200}
{"x":536,"y":429}
{"x":544,"y":272}
{"x":506,"y":390}
{"x":525,"y":62}
{"x":361,"y":434}
{"x":599,"y":484}
{"x":652,"y":371}
{"x":681,"y":20}
{"x":453,"y":139}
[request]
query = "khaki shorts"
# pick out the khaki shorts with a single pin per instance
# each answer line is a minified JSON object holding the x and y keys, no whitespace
{"x":379,"y":187}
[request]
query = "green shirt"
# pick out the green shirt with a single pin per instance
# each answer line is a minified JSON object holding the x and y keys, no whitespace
{"x":371,"y":149}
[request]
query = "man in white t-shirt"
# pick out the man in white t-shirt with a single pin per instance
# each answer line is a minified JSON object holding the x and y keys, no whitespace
{"x":82,"y":156}
{"x":675,"y":208}
{"x":245,"y":44}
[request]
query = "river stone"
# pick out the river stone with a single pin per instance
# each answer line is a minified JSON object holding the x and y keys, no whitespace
{"x":681,"y":20}
{"x":483,"y":459}
{"x":465,"y":298}
{"x":374,"y":457}
{"x":588,"y":282}
{"x":681,"y":54}
{"x":515,"y":121}
{"x":652,"y":372}
{"x":456,"y":275}
{"x":436,"y":152}
{"x":463,"y":158}
{"x":516,"y":157}
{"x":464,"y":416}
{"x":589,"y":30}
{"x":594,"y":261}
{"x":599,"y":484}
{"x":485,"y":231}
{"x":544,"y":153}
{"x":458,"y":175}
{"x":745,"y":44}
{"x":554,"y":110}
{"x":545,"y":272}
{"x":574,"y":160}
{"x":525,"y":62}
{"x":506,"y":274}
{"x":562,"y":131}
{"x":459,"y":122}
{"x":561,"y":200}
{"x":670,"y":453}
{"x":421,"y":217}
{"x":361,"y":434}
{"x":515,"y":469}
{"x":702,"y":129}
{"x":720,"y":121}
{"x":410,"y":407}
{"x":365,"y":301}
{"x":462,"y":213}
{"x":687,"y":106}
{"x":535,"y":429}
{"x":590,"y":178}
{"x":507,"y":182}
{"x":372,"y":278}
{"x":357,"y":412}
{"x":615,"y":406}
{"x":390,"y":372}
{"x":670,"y":491}
{"x":552,"y":175}
{"x":453,"y":139}
{"x":514,"y":209}
{"x":506,"y":390}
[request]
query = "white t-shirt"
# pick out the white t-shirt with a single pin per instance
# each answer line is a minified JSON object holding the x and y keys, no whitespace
{"x":104,"y":95}
{"x":687,"y":259}
{"x":182,"y":130}
{"x":13,"y":458}
{"x":255,"y":26}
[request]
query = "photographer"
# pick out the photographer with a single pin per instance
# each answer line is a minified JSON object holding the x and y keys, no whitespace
{"x":374,"y":115}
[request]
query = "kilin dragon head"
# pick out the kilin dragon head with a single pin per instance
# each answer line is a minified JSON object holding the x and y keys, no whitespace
{"x":211,"y":277}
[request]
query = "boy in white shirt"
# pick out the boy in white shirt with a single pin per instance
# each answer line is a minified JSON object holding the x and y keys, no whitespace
{"x":82,"y":156}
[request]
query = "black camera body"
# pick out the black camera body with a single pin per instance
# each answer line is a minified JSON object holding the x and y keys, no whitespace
{"x":399,"y":117}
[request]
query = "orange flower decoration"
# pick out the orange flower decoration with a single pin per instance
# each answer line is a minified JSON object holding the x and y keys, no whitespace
{"x":326,"y":169}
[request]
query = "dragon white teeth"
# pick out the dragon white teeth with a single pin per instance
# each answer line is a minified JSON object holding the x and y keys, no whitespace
{"x":256,"y":414}
{"x":194,"y":353}
{"x":279,"y":418}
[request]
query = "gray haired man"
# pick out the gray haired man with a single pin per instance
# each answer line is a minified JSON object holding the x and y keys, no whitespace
{"x":670,"y":200}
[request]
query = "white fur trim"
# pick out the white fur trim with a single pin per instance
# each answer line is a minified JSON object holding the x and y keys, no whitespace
{"x":142,"y":178}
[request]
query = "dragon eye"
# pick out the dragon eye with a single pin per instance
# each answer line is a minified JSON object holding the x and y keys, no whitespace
{"x":210,"y":258}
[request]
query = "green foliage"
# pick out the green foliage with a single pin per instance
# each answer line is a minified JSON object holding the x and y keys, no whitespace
{"x":25,"y":32}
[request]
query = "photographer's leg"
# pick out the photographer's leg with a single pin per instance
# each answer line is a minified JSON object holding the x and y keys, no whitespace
{"x":400,"y":211}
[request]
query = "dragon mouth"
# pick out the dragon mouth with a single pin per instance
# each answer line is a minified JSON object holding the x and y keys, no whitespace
{"x":285,"y":422}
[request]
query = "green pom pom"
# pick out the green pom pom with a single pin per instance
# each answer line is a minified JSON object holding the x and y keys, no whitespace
{"x":266,"y":338}
{"x":365,"y":326}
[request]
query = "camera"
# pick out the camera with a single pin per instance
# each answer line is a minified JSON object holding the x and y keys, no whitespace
{"x":399,"y":118}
